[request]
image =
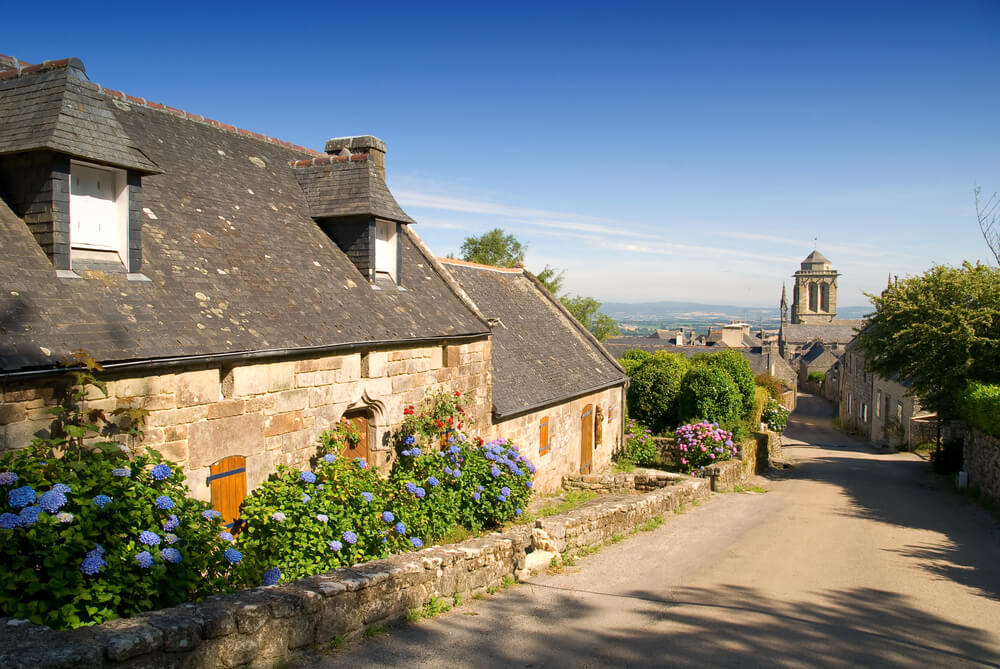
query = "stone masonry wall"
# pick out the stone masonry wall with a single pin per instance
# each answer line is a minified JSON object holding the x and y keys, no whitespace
{"x":272,"y":413}
{"x":565,"y":437}
{"x":264,"y":626}
{"x":982,"y":461}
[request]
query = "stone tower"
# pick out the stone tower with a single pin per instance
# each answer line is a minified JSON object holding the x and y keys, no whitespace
{"x":814,"y":297}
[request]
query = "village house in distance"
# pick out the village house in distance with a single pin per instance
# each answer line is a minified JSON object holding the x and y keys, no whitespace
{"x":250,"y":293}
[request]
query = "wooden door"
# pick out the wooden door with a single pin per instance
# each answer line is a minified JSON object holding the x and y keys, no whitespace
{"x":586,"y":439}
{"x":228,"y":482}
{"x":362,"y":449}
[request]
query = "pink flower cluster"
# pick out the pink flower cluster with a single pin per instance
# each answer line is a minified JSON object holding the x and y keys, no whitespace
{"x":702,"y":443}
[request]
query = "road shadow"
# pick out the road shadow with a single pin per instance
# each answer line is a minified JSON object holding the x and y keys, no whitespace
{"x":731,"y":626}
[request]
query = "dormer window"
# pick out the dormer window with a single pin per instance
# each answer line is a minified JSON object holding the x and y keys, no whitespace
{"x":386,"y":243}
{"x":98,"y":210}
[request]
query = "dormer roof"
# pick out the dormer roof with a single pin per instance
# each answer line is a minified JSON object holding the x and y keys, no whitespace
{"x":345,"y":186}
{"x":54,"y":107}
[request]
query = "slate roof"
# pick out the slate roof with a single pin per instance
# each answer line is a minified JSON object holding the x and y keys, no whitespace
{"x":815,"y":257}
{"x":235,"y":260}
{"x":56,"y":108}
{"x":541,"y":354}
{"x":341,"y":186}
{"x":840,"y":332}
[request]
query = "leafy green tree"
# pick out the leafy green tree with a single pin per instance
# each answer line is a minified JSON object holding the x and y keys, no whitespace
{"x":940,"y":330}
{"x":587,"y":311}
{"x":653,"y":389}
{"x":552,"y":279}
{"x":494,"y":248}
{"x":631,"y":360}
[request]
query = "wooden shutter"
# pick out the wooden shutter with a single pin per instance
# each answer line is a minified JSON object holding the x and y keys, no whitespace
{"x":362,"y":449}
{"x":586,"y":439}
{"x":228,"y":481}
{"x":543,"y":436}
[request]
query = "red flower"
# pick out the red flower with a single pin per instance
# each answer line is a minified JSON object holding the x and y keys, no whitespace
{"x":451,"y":421}
{"x":459,"y":426}
{"x":458,"y":394}
{"x":440,"y":424}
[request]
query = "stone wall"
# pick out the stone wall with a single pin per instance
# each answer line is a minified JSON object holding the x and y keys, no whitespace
{"x":264,"y":626}
{"x":641,"y":480}
{"x":272,"y":413}
{"x":565,"y":436}
{"x":982,"y":461}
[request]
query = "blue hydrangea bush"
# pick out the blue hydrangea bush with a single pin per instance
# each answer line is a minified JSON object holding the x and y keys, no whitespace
{"x":91,"y":531}
{"x":701,"y":444}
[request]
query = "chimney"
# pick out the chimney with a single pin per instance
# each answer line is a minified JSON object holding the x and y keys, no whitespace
{"x":347,"y":146}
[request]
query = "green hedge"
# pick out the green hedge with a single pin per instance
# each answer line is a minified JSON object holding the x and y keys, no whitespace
{"x":979,"y":406}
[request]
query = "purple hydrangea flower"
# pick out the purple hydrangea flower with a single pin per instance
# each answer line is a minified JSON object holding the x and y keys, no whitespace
{"x":416,"y":450}
{"x":173,"y":522}
{"x":22,"y":496}
{"x":171,"y":538}
{"x":210,"y":514}
{"x":410,"y":440}
{"x":52,"y":501}
{"x":417,"y":543}
{"x":149,"y":538}
{"x":479,"y":488}
{"x":8,"y":478}
{"x":350,"y":537}
{"x":517,"y":511}
{"x":335,"y":545}
{"x":476,"y":496}
{"x":164,"y":503}
{"x":367,"y":496}
{"x":272,"y":576}
{"x":447,"y":470}
{"x":322,"y":517}
{"x":495,"y":471}
{"x":531,"y":468}
{"x":361,"y":462}
{"x":122,"y":472}
{"x":411,"y":488}
{"x":432,"y":481}
{"x":502,"y":498}
{"x":64,"y":517}
{"x":62,"y":488}
{"x":505,"y":491}
{"x":171,"y":555}
{"x":529,"y":484}
{"x":420,"y":492}
{"x":278,"y":516}
{"x":28,"y":516}
{"x":160,"y":472}
{"x":308,"y":477}
{"x":454,"y":450}
{"x":400,"y":528}
{"x":101,"y":501}
{"x":145,"y":559}
{"x":232,"y":555}
{"x":306,"y":498}
{"x":8,"y":521}
{"x":225,"y":536}
{"x":329,"y":457}
{"x":405,"y":453}
{"x":92,"y":564}
{"x":388,"y":517}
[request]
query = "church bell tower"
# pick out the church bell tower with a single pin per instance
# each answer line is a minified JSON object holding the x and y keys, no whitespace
{"x":814,"y":296}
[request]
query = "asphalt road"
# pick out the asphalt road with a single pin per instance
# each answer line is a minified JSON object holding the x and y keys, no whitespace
{"x":852,"y":558}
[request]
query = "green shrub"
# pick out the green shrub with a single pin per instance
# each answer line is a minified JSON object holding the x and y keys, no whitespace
{"x":654,"y":389}
{"x":979,"y":406}
{"x":737,"y":367}
{"x":631,"y":360}
{"x":640,"y":447}
{"x":817,"y":377}
{"x":776,"y":416}
{"x":702,"y":444}
{"x":93,"y":532}
{"x":708,"y":393}
{"x":760,"y":401}
{"x":775,"y":388}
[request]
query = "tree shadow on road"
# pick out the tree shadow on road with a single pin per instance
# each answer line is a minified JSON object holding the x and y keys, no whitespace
{"x":544,"y":626}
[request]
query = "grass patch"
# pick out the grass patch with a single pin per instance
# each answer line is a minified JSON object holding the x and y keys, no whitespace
{"x":454,"y":535}
{"x":565,"y":501}
{"x":456,"y":599}
{"x":567,"y":559}
{"x":374,"y":631}
{"x":336,"y":642}
{"x":623,"y":467}
{"x":651,"y":524}
{"x":508,"y":581}
{"x":480,"y":595}
{"x":616,"y":537}
{"x":751,"y":488}
{"x":680,"y":509}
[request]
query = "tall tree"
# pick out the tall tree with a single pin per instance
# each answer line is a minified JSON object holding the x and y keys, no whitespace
{"x":940,"y":330}
{"x":988,"y":215}
{"x":587,"y":311}
{"x":494,"y":248}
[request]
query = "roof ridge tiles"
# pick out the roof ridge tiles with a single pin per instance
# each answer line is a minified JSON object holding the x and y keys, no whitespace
{"x":478,"y":265}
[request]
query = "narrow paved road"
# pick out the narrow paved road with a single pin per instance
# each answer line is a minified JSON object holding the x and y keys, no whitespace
{"x":853,"y":558}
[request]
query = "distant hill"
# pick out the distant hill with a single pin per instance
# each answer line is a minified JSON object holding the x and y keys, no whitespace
{"x":697,"y":311}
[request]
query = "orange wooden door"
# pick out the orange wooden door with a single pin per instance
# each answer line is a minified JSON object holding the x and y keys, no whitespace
{"x":362,"y":449}
{"x":228,"y":481}
{"x":586,"y":439}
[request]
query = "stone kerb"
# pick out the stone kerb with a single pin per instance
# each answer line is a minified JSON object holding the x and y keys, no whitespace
{"x":261,"y":627}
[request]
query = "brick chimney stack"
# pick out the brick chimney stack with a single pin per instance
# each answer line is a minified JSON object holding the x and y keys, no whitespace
{"x":373,"y":146}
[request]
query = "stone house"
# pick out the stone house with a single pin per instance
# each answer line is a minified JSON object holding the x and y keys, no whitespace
{"x":822,"y":358}
{"x":556,"y":389}
{"x":247,"y":292}
{"x":878,"y":409}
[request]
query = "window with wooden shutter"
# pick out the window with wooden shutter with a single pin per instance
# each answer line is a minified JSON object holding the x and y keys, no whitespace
{"x":228,"y":482}
{"x":543,"y":436}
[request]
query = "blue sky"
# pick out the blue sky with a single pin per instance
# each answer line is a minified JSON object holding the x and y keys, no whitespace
{"x":675,"y":151}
